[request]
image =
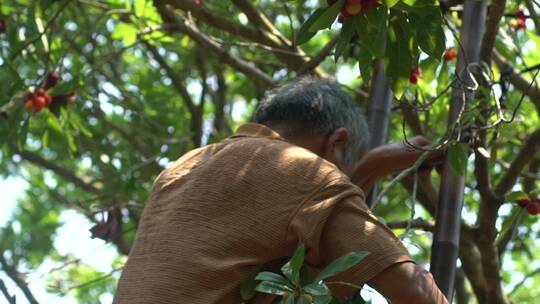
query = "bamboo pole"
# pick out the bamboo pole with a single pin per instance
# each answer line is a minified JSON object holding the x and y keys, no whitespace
{"x":378,"y":113}
{"x":447,"y":228}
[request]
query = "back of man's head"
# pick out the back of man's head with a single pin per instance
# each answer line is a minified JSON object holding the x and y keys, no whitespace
{"x":319,"y":107}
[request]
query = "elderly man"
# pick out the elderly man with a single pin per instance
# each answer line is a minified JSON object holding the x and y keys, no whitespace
{"x":222,"y":211}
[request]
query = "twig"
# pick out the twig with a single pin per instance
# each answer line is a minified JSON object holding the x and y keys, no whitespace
{"x":10,"y":298}
{"x":401,"y":176}
{"x":527,"y":276}
{"x":49,"y":23}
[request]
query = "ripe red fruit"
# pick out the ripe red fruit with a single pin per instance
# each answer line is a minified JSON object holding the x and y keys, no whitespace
{"x":71,"y":97}
{"x":48,"y":100}
{"x":354,"y":1}
{"x":41,"y":92}
{"x":523,"y":202}
{"x":450,"y":54}
{"x":520,"y":14}
{"x":520,"y":24}
{"x":39,"y":103}
{"x":51,"y":80}
{"x":2,"y":25}
{"x":29,"y":106}
{"x":29,"y":97}
{"x":416,"y":73}
{"x":533,"y":208}
{"x":352,"y":8}
{"x":369,"y":4}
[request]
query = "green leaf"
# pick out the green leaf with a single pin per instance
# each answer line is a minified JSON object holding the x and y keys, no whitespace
{"x":271,"y":277}
{"x":344,"y":42}
{"x":371,"y":28}
{"x":317,"y":289}
{"x":515,"y":195}
{"x":399,"y":50}
{"x":272,"y":288}
{"x":304,"y":34}
{"x":458,"y":155}
{"x":247,"y":287}
{"x":322,"y":299}
{"x":428,"y":30}
{"x":328,"y":17}
{"x":288,"y":299}
{"x":292,"y":268}
{"x":303,"y":300}
{"x":341,"y":264}
{"x":364,"y":63}
{"x":390,"y":3}
{"x":127,"y":33}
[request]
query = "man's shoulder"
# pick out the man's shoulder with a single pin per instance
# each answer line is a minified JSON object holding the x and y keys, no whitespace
{"x":285,"y":158}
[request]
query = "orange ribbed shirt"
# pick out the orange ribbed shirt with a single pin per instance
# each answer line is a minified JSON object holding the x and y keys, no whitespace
{"x":223,"y":210}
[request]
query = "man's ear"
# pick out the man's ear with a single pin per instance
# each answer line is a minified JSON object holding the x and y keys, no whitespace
{"x":337,"y":139}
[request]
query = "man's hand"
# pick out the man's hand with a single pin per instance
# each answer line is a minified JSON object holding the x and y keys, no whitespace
{"x":390,"y":158}
{"x":406,"y":283}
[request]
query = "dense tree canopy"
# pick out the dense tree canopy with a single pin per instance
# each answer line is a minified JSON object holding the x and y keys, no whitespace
{"x":99,"y":96}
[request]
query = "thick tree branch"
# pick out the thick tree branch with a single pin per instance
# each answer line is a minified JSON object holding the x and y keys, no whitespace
{"x":182,"y":25}
{"x":495,"y":13}
{"x":17,"y":278}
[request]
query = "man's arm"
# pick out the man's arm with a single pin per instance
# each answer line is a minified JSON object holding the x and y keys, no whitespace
{"x":388,"y":159}
{"x":407,"y":283}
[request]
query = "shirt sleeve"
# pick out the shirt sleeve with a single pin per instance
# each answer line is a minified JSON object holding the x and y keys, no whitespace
{"x":353,"y":227}
{"x":334,"y":221}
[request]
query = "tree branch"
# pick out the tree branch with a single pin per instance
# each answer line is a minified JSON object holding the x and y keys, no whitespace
{"x":495,"y":13}
{"x":527,"y":153}
{"x":517,"y":80}
{"x":533,"y":15}
{"x":68,"y":175}
{"x":181,"y":24}
{"x":415,"y":224}
{"x":315,"y":61}
{"x":16,"y":277}
{"x":9,"y":298}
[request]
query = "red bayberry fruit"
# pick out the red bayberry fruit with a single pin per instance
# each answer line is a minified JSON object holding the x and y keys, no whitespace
{"x":352,"y":8}
{"x":29,"y":106}
{"x":2,"y":26}
{"x":48,"y":100}
{"x":520,"y":14}
{"x":39,"y":103}
{"x":416,"y":73}
{"x":520,"y":24}
{"x":341,"y":18}
{"x":523,"y":202}
{"x":51,"y":80}
{"x":369,"y":4}
{"x":29,"y":97}
{"x":352,"y":2}
{"x":533,"y":207}
{"x":41,"y":92}
{"x":71,"y":97}
{"x":450,"y":54}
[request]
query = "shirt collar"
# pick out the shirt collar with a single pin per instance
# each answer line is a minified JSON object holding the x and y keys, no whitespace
{"x":256,"y":130}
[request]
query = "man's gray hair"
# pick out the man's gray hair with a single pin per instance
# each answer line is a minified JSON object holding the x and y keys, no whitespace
{"x":320,"y":106}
